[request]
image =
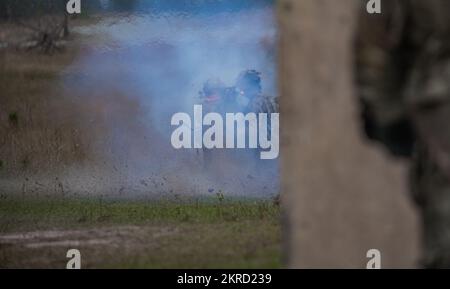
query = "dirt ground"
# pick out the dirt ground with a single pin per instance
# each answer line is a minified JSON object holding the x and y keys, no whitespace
{"x":139,"y":234}
{"x":139,"y":247}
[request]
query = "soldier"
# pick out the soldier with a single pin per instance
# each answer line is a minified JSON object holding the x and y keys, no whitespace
{"x":245,"y":96}
{"x":248,"y":88}
{"x":211,"y":95}
{"x":403,"y":79}
{"x":249,"y":94}
{"x":250,"y":98}
{"x":211,"y":98}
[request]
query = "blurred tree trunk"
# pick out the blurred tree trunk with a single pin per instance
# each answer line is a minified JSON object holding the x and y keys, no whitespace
{"x":341,"y":197}
{"x":66,"y":30}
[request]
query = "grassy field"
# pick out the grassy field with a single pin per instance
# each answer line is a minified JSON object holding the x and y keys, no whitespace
{"x":43,"y":131}
{"x":196,"y":233}
{"x":37,"y":123}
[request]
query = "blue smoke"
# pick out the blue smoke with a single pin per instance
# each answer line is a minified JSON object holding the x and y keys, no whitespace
{"x":155,"y":64}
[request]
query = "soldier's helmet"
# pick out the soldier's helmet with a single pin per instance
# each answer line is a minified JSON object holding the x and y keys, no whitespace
{"x":212,"y":91}
{"x":249,"y":83}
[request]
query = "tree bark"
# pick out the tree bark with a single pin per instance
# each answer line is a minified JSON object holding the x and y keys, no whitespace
{"x":341,"y":196}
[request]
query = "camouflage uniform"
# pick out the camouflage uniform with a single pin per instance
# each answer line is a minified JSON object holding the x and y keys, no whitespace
{"x":248,"y":86}
{"x":403,"y":78}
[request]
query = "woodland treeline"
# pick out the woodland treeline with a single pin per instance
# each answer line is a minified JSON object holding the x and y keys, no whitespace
{"x":14,"y":9}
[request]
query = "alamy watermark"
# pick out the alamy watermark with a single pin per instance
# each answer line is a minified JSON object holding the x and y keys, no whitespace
{"x":74,"y":256}
{"x":262,"y":132}
{"x":373,"y":7}
{"x":374,"y":256}
{"x":73,"y":7}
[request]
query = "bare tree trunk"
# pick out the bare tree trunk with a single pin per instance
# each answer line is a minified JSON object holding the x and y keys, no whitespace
{"x":66,"y":31}
{"x":341,"y":196}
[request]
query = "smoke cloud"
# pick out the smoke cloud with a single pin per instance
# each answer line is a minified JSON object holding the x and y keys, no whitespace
{"x":140,"y":68}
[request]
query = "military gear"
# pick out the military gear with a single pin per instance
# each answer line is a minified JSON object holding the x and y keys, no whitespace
{"x":403,"y":79}
{"x":244,"y":97}
{"x":249,"y":82}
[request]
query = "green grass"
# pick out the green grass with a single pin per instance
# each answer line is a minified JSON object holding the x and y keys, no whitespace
{"x":203,"y":233}
{"x":41,"y":213}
